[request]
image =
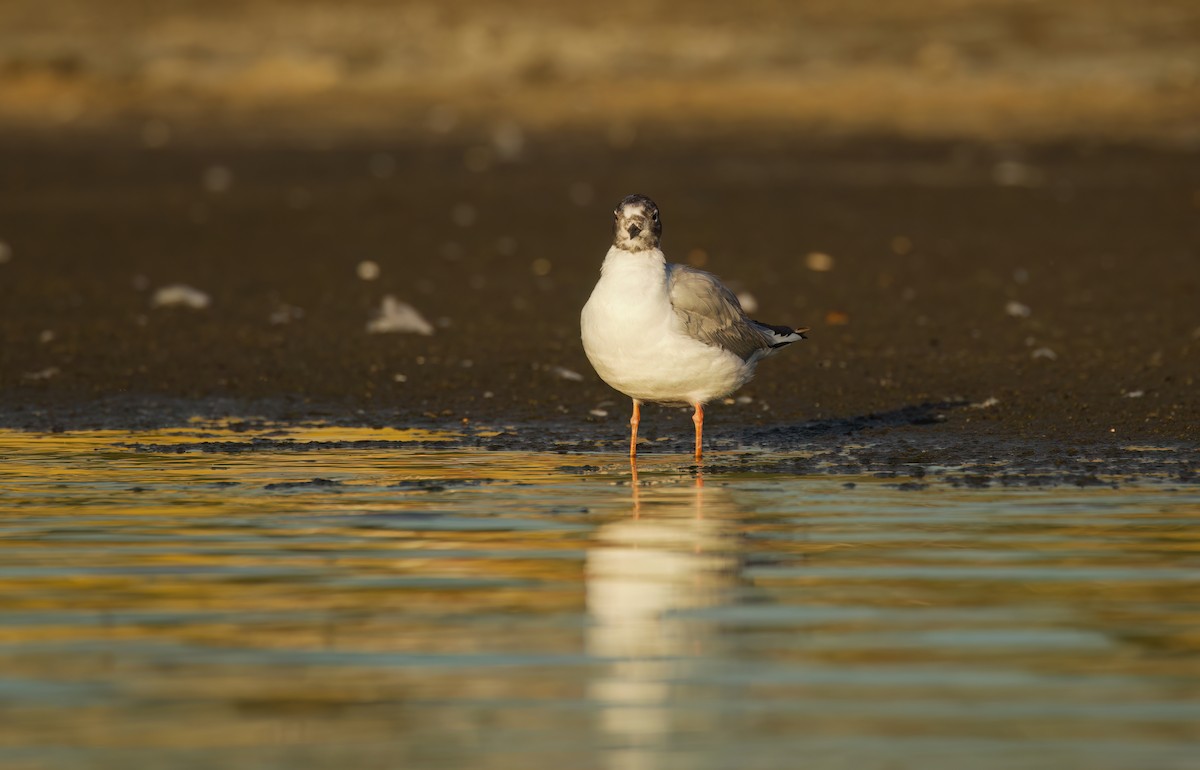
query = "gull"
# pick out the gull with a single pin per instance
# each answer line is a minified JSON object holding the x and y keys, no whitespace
{"x":666,"y":333}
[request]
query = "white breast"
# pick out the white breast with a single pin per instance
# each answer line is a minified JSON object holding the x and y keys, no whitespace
{"x":636,"y":344}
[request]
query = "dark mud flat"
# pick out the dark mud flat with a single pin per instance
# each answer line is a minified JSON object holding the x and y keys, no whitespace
{"x":906,"y":464}
{"x":997,"y":309}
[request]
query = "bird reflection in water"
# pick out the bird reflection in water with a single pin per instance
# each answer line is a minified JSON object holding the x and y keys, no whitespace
{"x":646,"y":577}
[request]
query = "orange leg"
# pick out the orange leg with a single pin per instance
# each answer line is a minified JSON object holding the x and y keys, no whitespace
{"x":698,"y":418}
{"x":633,"y":423}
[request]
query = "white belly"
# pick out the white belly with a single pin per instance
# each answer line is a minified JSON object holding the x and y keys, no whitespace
{"x":632,"y":338}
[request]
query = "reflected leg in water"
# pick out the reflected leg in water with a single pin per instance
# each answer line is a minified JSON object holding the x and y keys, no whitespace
{"x":634,"y":485}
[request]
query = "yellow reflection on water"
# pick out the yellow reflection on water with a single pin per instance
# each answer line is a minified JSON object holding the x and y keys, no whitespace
{"x":253,"y":591}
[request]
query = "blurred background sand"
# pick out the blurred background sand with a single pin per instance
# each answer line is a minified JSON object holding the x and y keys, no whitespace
{"x":925,"y":68}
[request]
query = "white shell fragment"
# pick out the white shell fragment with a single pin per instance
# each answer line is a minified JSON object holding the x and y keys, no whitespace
{"x":285,"y":313}
{"x":563,"y":373}
{"x":1017,"y":310}
{"x":42,"y":374}
{"x":397,"y":316}
{"x":180,"y":295}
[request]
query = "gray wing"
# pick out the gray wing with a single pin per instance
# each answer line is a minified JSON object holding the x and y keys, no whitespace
{"x":712,"y":314}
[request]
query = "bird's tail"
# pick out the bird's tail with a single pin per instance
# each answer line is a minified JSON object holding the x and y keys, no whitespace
{"x":784,"y":335}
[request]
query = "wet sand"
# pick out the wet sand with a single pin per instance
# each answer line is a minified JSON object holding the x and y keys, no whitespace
{"x":984,"y":300}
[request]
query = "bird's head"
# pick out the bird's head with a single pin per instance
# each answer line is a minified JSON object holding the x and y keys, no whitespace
{"x":636,"y":226}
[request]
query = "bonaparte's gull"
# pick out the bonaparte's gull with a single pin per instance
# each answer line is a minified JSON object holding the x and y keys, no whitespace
{"x":668,"y":333}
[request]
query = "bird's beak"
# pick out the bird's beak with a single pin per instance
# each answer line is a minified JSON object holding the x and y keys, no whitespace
{"x":634,"y":230}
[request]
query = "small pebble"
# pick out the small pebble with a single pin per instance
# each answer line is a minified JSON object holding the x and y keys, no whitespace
{"x":285,"y":313}
{"x":506,"y":245}
{"x":217,"y":179}
{"x":464,"y":215}
{"x":1013,"y":173}
{"x":819,"y":262}
{"x":382,"y":165}
{"x":368,"y":270}
{"x":509,"y":140}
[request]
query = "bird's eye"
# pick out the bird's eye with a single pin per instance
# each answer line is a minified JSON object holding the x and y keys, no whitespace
{"x":655,"y":217}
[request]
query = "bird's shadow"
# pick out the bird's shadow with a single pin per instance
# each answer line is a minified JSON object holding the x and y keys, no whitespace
{"x":928,"y":413}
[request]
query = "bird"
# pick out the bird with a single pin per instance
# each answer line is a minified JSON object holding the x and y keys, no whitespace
{"x":667,"y":333}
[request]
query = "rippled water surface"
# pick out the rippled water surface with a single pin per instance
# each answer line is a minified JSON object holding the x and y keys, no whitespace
{"x":354,"y":605}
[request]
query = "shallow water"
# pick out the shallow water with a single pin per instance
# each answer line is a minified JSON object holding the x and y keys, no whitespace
{"x":411,"y":606}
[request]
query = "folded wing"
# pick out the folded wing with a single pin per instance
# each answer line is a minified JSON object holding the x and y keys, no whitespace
{"x":711,"y":313}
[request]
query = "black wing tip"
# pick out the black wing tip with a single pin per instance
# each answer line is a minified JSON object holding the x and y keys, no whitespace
{"x":785,"y":331}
